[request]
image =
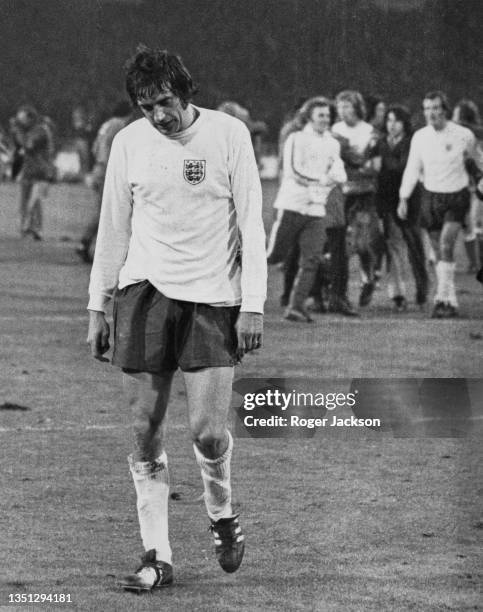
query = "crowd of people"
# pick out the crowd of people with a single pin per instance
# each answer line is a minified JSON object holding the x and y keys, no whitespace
{"x":395,"y":198}
{"x":354,"y":178}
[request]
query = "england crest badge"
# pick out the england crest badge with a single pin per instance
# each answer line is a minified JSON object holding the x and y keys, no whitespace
{"x":194,"y":170}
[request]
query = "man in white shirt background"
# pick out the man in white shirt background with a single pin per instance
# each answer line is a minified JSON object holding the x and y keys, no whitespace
{"x":312,"y":167}
{"x":442,"y":153}
{"x":181,"y":238}
{"x":358,"y":139}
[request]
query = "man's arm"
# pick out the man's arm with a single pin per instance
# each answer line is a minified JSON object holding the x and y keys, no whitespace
{"x":247,"y":197}
{"x":337,"y":172}
{"x":111,"y":248}
{"x":411,"y":176}
{"x":293,"y":156}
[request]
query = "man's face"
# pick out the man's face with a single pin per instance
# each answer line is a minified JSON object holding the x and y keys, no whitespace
{"x":380,"y":113}
{"x":434,"y":113}
{"x":320,"y":118}
{"x":165,"y":112}
{"x":346,"y":112}
{"x":24,"y":119}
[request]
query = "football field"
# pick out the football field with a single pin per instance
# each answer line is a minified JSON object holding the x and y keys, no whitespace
{"x":355,"y":521}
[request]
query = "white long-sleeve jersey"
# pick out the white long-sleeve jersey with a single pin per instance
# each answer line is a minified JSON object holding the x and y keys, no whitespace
{"x":176,"y":210}
{"x":310,"y":160}
{"x":438,"y":157}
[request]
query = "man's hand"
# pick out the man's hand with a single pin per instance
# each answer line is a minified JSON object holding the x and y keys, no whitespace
{"x":249,"y":330}
{"x":98,"y":335}
{"x":402,"y":209}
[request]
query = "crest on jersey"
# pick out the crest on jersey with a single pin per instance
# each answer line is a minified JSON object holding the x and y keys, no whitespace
{"x":194,"y":170}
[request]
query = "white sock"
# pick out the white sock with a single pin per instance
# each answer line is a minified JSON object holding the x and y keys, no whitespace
{"x":442,"y":286}
{"x":151,"y":480}
{"x":216,"y":481}
{"x":449,"y":271}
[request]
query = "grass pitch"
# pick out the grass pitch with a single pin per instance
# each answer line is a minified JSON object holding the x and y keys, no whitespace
{"x":355,"y":522}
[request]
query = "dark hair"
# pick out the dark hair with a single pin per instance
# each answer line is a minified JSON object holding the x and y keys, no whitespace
{"x":372,"y":103}
{"x":122,"y":109}
{"x":308,"y":106}
{"x":150,"y":71}
{"x":356,"y":99}
{"x":469,"y":113}
{"x":432,"y":95}
{"x":402,"y":114}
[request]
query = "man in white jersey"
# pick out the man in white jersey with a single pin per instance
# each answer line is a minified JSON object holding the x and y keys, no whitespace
{"x":181,"y":238}
{"x":442,"y":153}
{"x":358,"y":139}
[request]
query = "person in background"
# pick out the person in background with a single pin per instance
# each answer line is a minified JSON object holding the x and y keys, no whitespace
{"x":293,"y":121}
{"x":392,"y":154}
{"x":358,"y":141}
{"x":312,"y":167}
{"x":257,"y":129}
{"x":121,"y":115}
{"x":376,"y":113}
{"x":444,"y":154}
{"x":33,"y":166}
{"x":467,"y":114}
{"x":82,"y":135}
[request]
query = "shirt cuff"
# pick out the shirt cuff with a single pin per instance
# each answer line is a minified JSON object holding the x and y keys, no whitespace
{"x":98,"y":303}
{"x":252,"y":304}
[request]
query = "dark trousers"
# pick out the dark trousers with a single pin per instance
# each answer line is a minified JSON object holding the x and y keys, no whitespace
{"x":417,"y":260}
{"x":339,"y":262}
{"x":367,"y":236}
{"x":290,"y":229}
{"x":290,"y":269}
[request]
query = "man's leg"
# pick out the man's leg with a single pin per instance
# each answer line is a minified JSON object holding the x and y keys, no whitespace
{"x":339,"y":271}
{"x":283,"y":235}
{"x":33,"y":212}
{"x":447,"y":264}
{"x":208,"y":393}
{"x":311,"y":241}
{"x":25,"y":190}
{"x":148,"y":395}
{"x":397,"y":256}
{"x":445,"y":300}
{"x":413,"y":237}
{"x":42,"y":189}
{"x":290,"y":268}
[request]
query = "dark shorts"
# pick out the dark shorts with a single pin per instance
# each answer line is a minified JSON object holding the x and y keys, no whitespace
{"x":439,"y":208}
{"x":153,"y":333}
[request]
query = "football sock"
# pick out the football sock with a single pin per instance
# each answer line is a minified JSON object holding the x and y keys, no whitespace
{"x":216,"y":481}
{"x":446,"y":290}
{"x":442,"y":285}
{"x":151,"y":480}
{"x":449,"y":270}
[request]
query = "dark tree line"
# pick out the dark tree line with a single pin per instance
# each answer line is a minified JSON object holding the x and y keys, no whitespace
{"x":266,"y":54}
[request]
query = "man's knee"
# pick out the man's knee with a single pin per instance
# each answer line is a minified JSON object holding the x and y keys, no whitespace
{"x":211,"y":441}
{"x":311,"y":262}
{"x":447,"y":240}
